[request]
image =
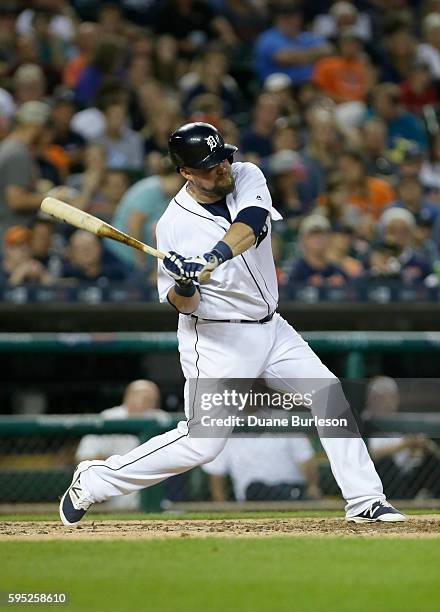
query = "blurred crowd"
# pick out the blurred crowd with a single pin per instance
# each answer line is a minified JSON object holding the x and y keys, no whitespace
{"x":337,"y":102}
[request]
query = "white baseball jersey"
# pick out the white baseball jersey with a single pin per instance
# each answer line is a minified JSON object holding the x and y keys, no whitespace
{"x":268,"y":459}
{"x":244,"y":287}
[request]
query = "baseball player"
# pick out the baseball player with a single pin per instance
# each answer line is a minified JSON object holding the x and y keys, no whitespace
{"x":220,"y":223}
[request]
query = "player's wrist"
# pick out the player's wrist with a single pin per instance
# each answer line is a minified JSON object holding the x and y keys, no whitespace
{"x":219,"y":254}
{"x":185,"y":288}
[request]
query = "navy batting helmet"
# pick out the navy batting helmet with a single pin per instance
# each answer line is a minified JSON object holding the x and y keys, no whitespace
{"x":198,"y":145}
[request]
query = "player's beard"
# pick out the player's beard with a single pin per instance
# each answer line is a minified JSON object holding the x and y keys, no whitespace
{"x":224,"y":186}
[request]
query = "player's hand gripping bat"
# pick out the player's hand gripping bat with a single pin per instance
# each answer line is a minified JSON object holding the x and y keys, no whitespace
{"x":74,"y":216}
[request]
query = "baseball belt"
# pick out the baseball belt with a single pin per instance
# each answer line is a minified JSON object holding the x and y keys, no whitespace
{"x":260,"y":321}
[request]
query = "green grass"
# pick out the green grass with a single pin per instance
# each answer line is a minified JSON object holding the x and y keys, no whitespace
{"x":139,"y":516}
{"x":210,"y":575}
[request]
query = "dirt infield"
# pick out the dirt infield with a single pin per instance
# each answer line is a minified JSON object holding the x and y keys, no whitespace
{"x":426,"y":526}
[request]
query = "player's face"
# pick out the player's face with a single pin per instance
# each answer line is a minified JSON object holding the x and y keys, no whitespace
{"x":215,"y":182}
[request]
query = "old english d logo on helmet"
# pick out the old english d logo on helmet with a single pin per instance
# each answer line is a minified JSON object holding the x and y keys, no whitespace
{"x":198,"y":145}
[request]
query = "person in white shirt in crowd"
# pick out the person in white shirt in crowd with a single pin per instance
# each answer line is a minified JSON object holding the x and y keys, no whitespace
{"x":265,"y":468}
{"x":141,"y":400}
{"x":342,"y":15}
{"x":123,"y":145}
{"x":429,"y":50}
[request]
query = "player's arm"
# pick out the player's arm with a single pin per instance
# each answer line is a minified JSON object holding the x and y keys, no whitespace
{"x":245,"y":230}
{"x":242,"y":234}
{"x":295,"y":57}
{"x":186,"y":304}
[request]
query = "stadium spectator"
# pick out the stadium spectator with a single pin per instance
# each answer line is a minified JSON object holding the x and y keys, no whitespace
{"x":293,"y":187}
{"x":212,"y":77}
{"x":51,"y":48}
{"x":410,"y":158}
{"x":157,"y":133}
{"x":89,"y":261}
{"x":18,"y":265}
{"x":52,"y":160}
{"x":286,"y":48}
{"x":110,"y":18}
{"x":29,"y":83}
{"x":369,"y":194}
{"x":112,"y":188}
{"x":104,"y":63}
{"x":168,"y":66}
{"x":86,"y":39}
{"x":43,"y":246}
{"x":247,"y":19}
{"x":340,"y":252}
{"x":387,"y":105}
{"x":72,"y":143}
{"x":399,"y":229}
{"x":62,"y":18}
{"x":139,"y":210}
{"x":193,"y":23}
{"x":378,"y":161}
{"x":408,"y":464}
{"x":145,"y":102}
{"x":255,"y":141}
{"x":430,"y":170}
{"x":429,"y":49}
{"x":26,"y":52}
{"x":313,"y":266}
{"x":345,"y":76}
{"x":400,"y":49}
{"x":410,"y":197}
{"x":141,"y":400}
{"x":334,"y":203}
{"x":264,"y":468}
{"x":382,"y":261}
{"x":122,"y":144}
{"x":280,"y":86}
{"x":20,"y":197}
{"x":418,"y":90}
{"x":89,"y":182}
{"x":342,"y":16}
{"x":324,"y":142}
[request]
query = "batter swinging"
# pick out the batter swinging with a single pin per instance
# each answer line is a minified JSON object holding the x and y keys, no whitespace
{"x":228,"y":327}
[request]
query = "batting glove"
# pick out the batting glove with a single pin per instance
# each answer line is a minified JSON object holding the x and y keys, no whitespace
{"x":194,"y":267}
{"x":173,"y":266}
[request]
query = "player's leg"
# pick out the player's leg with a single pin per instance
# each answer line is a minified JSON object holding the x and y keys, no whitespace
{"x":214,"y":352}
{"x":294,"y":367}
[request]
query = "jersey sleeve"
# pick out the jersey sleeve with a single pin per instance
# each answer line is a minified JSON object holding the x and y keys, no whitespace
{"x":252,"y":190}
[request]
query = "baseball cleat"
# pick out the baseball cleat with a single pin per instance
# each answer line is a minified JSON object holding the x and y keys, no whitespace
{"x":378,"y":511}
{"x":74,"y":503}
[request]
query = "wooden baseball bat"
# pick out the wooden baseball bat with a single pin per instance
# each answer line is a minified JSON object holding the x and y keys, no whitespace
{"x":82,"y":220}
{"x":74,"y":216}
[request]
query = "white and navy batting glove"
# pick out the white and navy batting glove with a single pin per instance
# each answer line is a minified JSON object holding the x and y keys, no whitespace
{"x":173,"y":266}
{"x":193,"y":267}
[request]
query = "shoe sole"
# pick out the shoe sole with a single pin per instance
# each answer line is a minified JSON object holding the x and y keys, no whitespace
{"x":76,"y":473}
{"x":357,"y":519}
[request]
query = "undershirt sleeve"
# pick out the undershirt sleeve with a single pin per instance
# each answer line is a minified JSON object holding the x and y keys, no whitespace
{"x":254,"y":216}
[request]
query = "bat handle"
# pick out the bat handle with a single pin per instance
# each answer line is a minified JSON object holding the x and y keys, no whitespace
{"x":204,"y":276}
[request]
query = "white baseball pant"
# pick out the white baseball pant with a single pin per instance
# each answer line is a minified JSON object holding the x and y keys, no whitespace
{"x":271,"y":350}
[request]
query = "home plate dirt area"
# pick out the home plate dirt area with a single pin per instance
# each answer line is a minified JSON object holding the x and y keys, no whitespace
{"x":427,"y":526}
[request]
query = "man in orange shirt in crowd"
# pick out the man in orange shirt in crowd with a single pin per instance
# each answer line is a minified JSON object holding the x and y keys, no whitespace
{"x":345,"y":77}
{"x":368,"y":193}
